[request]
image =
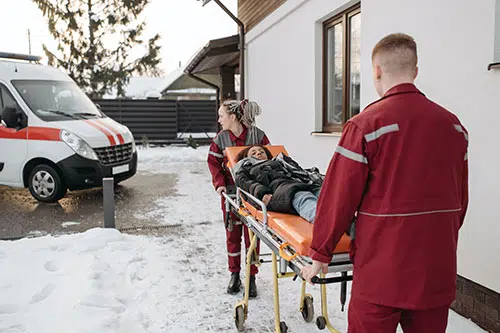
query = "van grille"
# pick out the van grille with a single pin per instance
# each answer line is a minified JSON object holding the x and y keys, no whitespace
{"x":114,"y":154}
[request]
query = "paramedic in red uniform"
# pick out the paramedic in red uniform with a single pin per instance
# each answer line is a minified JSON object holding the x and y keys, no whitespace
{"x":401,"y":167}
{"x":237,"y":121}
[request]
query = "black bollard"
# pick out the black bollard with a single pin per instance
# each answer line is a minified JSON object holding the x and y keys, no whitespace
{"x":108,"y":195}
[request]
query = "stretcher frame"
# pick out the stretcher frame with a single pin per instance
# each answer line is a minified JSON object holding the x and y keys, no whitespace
{"x":284,"y":258}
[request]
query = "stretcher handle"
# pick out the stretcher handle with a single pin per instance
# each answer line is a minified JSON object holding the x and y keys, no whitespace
{"x":259,"y":202}
{"x":283,"y":253}
{"x":317,"y":280}
{"x":227,"y":219}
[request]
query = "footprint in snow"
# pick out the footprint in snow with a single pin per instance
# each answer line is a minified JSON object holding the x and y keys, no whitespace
{"x":103,"y":302}
{"x":44,"y":293}
{"x":9,"y":308}
{"x":12,"y":329}
{"x":51,"y":266}
{"x":136,"y":270}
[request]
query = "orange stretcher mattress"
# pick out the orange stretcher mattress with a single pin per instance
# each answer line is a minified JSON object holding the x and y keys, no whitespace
{"x":292,"y":228}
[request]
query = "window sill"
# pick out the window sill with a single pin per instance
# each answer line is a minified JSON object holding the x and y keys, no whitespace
{"x":494,"y":65}
{"x":334,"y":134}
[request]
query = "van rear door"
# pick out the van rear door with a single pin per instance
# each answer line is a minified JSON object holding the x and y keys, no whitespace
{"x":13,"y":145}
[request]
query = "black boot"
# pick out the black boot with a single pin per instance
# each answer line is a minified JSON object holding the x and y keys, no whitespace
{"x":234,"y":284}
{"x":252,"y":292}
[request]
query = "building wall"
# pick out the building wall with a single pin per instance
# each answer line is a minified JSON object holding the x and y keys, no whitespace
{"x":455,"y":40}
{"x":283,"y":74}
{"x":251,"y":12}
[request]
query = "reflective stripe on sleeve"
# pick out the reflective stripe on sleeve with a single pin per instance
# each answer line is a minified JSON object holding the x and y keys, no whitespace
{"x":381,"y":131}
{"x":414,"y":213}
{"x":351,"y":155}
{"x":216,"y":154}
{"x":234,"y":254}
{"x":461,"y":130}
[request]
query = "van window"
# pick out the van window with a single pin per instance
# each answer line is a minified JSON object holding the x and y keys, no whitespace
{"x":6,"y":99}
{"x":56,"y":100}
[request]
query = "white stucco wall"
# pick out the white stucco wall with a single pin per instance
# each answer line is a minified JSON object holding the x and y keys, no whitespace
{"x":456,"y":43}
{"x":284,"y":76}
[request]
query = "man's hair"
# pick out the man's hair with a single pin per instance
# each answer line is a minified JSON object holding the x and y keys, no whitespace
{"x":397,"y":53}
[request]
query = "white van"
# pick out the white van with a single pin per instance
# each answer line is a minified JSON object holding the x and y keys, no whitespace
{"x":52,"y":136}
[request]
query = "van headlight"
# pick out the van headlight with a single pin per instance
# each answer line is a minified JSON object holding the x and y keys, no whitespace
{"x":78,"y":145}
{"x":131,"y":137}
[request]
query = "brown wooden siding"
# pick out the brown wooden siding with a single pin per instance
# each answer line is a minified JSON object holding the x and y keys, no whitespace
{"x":480,"y":304}
{"x":251,"y":12}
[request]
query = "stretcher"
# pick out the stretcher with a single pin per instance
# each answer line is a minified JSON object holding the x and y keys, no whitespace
{"x":289,"y":238}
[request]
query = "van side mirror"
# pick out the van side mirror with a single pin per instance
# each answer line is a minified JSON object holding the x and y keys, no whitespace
{"x":13,"y":118}
{"x":98,"y":106}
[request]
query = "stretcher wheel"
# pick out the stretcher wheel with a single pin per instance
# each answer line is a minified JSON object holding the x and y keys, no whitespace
{"x":283,"y":327}
{"x":239,"y":318}
{"x":321,"y":322}
{"x":308,"y":309}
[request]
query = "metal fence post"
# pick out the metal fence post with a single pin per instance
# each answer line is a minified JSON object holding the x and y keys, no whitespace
{"x":108,"y":195}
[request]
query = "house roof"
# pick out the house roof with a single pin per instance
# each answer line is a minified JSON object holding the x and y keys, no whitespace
{"x":206,"y":64}
{"x":180,"y":80}
{"x":204,"y":2}
{"x":222,"y":52}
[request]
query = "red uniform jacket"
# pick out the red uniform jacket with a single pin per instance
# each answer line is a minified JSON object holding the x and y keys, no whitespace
{"x":217,"y":160}
{"x":401,"y":168}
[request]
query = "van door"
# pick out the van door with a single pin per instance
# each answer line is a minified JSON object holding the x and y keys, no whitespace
{"x":13,"y":144}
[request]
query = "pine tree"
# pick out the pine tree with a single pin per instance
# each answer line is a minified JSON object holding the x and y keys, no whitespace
{"x":95,"y":39}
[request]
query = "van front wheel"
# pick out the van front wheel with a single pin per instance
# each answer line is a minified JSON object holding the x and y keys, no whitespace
{"x":45,"y":184}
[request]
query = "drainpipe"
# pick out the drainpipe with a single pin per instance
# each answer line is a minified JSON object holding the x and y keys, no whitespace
{"x":216,"y":87}
{"x":242,"y":45}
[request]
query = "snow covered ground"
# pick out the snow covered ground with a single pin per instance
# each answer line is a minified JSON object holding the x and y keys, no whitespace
{"x":105,"y":281}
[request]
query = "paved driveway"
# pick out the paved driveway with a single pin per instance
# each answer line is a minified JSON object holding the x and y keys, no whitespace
{"x":22,"y":215}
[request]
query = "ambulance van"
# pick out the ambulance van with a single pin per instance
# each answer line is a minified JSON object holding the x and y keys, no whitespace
{"x":53,"y":138}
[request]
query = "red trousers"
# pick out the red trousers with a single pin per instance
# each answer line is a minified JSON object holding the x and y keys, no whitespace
{"x":233,"y":242}
{"x":364,"y":317}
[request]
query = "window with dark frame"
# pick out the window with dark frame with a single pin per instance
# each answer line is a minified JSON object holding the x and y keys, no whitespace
{"x":6,"y":99}
{"x":341,"y":69}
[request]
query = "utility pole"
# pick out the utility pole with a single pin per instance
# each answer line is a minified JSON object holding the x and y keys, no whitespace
{"x":241,"y":46}
{"x":29,"y":41}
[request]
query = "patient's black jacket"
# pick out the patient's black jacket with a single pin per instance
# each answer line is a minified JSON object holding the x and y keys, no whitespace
{"x":281,"y":176}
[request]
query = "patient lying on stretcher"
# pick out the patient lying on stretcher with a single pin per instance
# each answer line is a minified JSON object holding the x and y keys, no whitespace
{"x":278,"y":181}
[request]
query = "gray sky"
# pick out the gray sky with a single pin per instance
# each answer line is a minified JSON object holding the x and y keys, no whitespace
{"x":185,"y":27}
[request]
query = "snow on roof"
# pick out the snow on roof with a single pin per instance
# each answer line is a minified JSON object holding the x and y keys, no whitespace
{"x":139,"y":87}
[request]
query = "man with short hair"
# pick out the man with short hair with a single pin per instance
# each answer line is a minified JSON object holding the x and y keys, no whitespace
{"x":401,"y":169}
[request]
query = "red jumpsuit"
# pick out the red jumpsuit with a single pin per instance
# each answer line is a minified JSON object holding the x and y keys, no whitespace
{"x":221,"y":176}
{"x":401,"y":168}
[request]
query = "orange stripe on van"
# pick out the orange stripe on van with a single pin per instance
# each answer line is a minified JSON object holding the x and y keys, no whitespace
{"x":10,"y":133}
{"x":103,"y":130}
{"x":112,"y":129}
{"x":44,"y":134}
{"x":31,"y":133}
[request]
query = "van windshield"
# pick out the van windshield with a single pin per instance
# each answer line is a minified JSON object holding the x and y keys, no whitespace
{"x":56,"y":100}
